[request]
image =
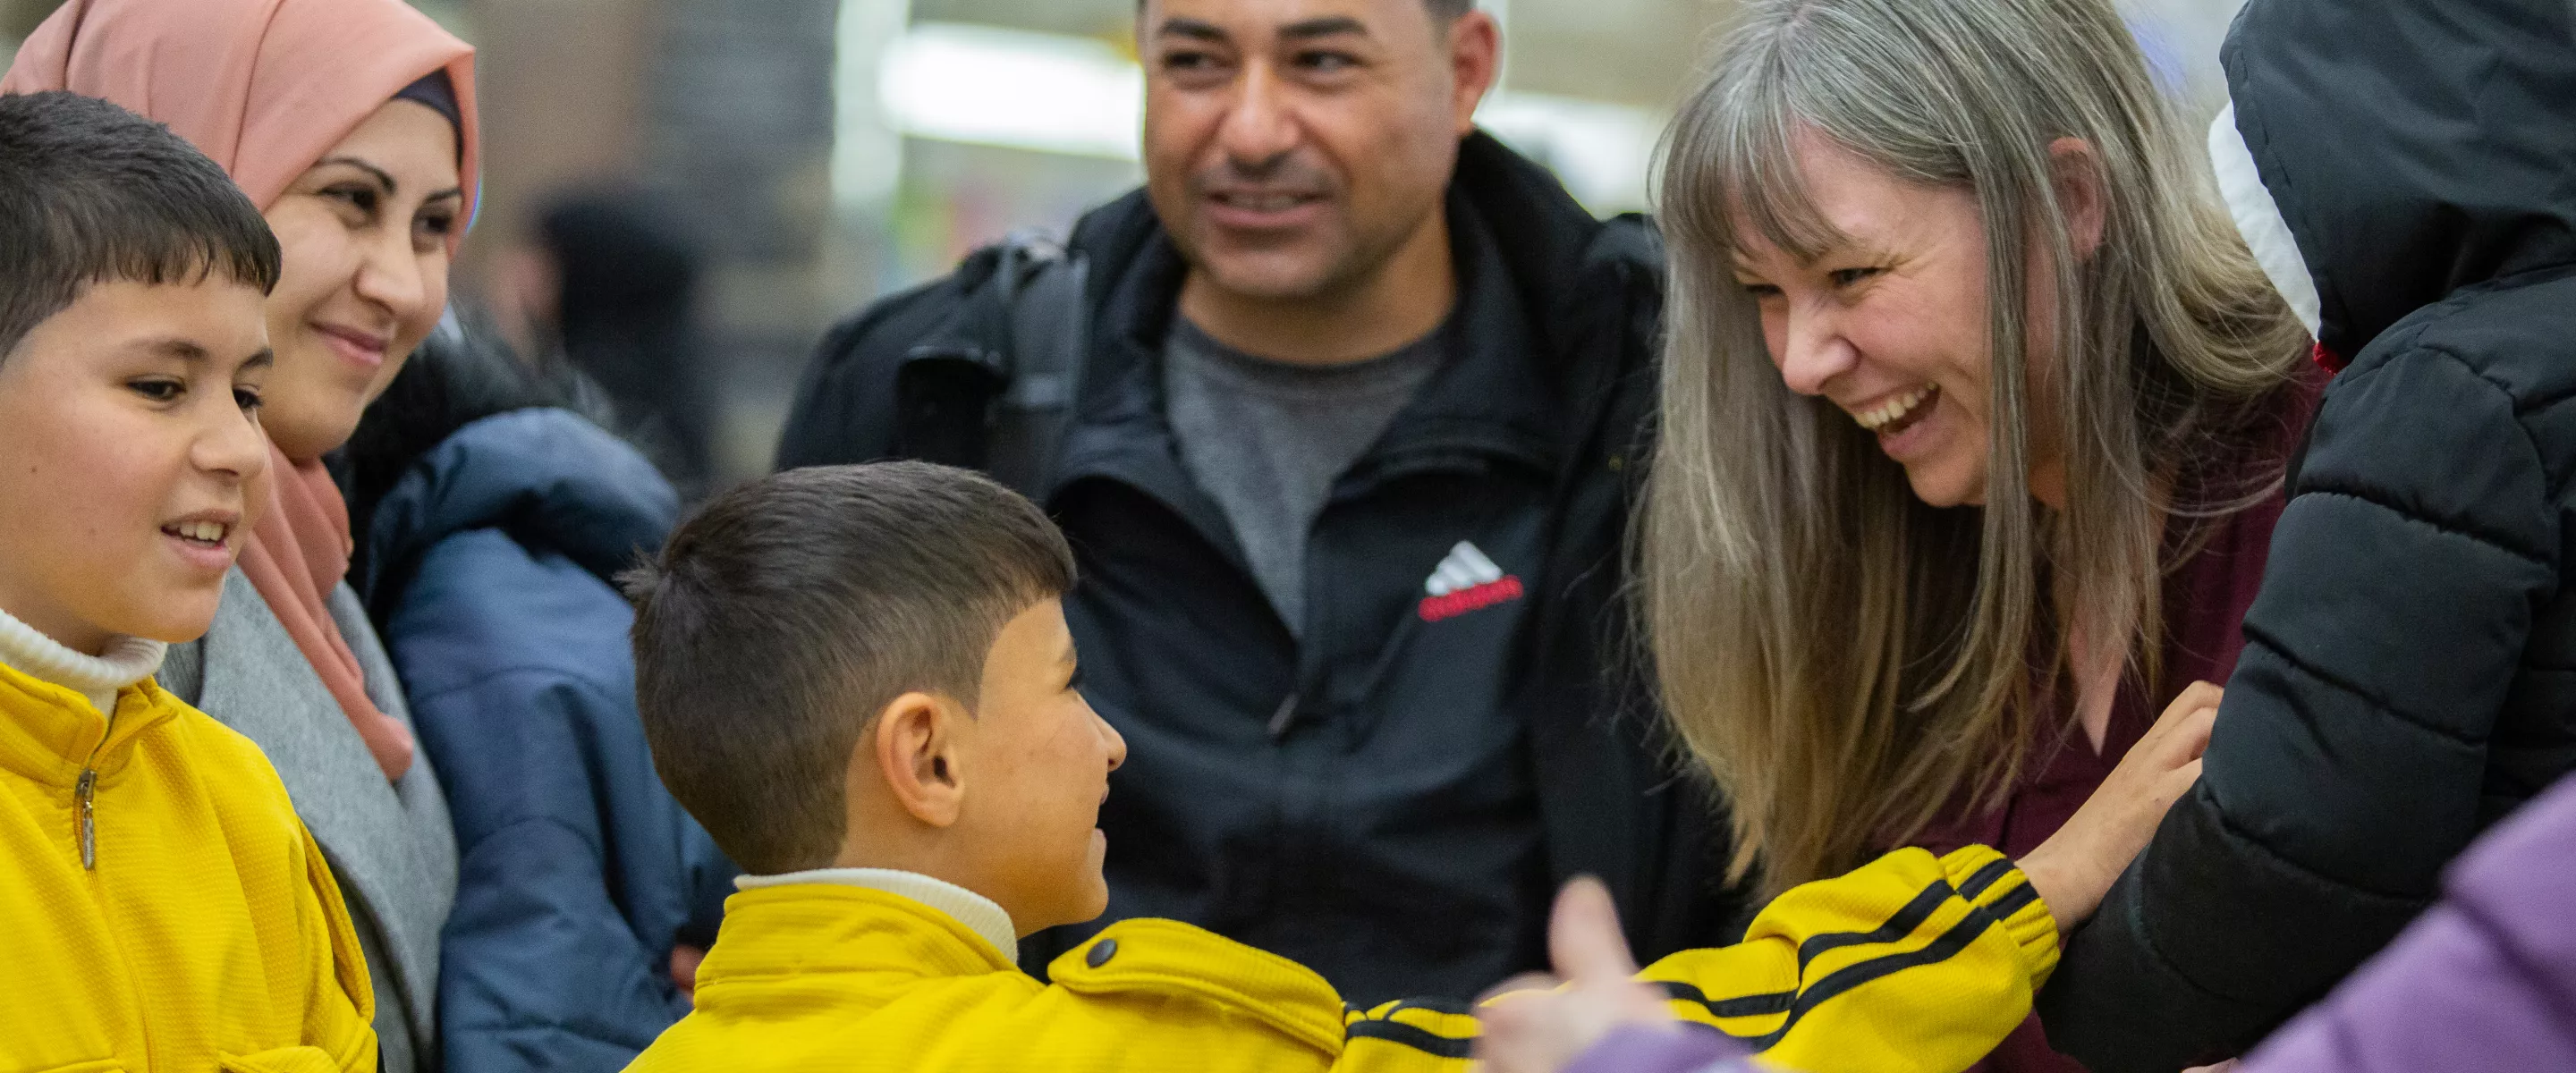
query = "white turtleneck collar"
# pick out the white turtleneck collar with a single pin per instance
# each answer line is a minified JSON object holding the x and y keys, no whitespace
{"x":127,"y":660}
{"x":981,"y":915}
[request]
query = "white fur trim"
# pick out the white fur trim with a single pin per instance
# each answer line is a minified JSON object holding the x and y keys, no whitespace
{"x":2258,"y":218}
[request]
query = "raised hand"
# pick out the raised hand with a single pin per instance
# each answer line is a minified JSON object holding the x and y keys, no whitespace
{"x":1538,"y":1023}
{"x":2076,"y":866}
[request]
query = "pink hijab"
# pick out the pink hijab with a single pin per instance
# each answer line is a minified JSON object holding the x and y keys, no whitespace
{"x":265,"y":87}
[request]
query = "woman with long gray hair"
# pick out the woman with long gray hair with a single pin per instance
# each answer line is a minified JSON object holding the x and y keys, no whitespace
{"x":1975,"y":409}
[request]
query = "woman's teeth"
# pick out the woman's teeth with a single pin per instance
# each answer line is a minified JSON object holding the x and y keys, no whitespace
{"x":1895,"y":409}
{"x":201,"y":532}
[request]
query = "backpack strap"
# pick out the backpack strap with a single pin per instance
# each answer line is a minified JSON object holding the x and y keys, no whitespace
{"x":993,"y":388}
{"x":1042,"y":289}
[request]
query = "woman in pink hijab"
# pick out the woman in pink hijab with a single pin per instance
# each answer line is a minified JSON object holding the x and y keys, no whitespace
{"x":351,"y":123}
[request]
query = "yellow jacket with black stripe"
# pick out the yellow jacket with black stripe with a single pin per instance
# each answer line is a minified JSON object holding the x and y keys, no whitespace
{"x":164,"y":908}
{"x":1912,"y":964}
{"x":825,"y":976}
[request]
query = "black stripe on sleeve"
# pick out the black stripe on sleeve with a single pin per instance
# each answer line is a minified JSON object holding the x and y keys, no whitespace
{"x":1833,"y":985}
{"x":1897,"y":927}
{"x":1844,"y":979}
{"x":1740,"y":1006}
{"x":1435,"y":1005}
{"x":1985,"y":877}
{"x":2012,"y":903}
{"x":1420,"y":1039}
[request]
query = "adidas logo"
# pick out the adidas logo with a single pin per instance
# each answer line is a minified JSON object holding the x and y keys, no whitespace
{"x":1466,"y":581}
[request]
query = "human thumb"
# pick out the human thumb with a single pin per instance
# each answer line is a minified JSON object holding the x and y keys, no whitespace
{"x":1583,"y":936}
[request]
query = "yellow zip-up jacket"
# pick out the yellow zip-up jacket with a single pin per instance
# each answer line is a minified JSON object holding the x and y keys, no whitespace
{"x":163,"y":908}
{"x":1913,"y":964}
{"x":814,"y":976}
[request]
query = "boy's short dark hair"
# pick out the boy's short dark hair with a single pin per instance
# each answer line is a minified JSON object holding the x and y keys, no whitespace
{"x":92,"y":193}
{"x":786,"y":613}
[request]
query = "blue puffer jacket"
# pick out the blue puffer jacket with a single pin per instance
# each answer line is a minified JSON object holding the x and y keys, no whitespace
{"x":489,"y":568}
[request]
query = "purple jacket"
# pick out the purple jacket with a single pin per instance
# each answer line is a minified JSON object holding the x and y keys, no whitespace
{"x":2486,"y":980}
{"x":1680,"y":1048}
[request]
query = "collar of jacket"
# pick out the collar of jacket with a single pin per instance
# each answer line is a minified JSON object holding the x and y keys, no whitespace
{"x":810,"y":930}
{"x":981,"y":915}
{"x":549,"y":477}
{"x":1488,"y":399}
{"x":50,"y":733}
{"x":828,"y":928}
{"x":1533,"y":290}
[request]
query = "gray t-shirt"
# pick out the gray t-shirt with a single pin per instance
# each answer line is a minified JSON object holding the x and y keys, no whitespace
{"x":1267,"y":439}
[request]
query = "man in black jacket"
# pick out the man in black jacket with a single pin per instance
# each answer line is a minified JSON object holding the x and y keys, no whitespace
{"x":1348,"y":467}
{"x":2402,"y":167}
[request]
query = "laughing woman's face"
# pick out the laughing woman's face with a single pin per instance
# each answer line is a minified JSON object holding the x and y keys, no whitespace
{"x":365,"y":235}
{"x":1890,"y":324}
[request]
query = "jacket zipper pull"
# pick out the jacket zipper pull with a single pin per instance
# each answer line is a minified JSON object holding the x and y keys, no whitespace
{"x":1282,"y":719}
{"x":85,"y":799}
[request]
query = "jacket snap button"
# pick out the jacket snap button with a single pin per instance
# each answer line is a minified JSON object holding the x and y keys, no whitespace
{"x":1101,"y":952}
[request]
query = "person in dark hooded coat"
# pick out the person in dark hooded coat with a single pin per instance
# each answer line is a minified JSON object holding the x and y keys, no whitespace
{"x":626,"y":269}
{"x":2409,"y":672}
{"x":491,"y":521}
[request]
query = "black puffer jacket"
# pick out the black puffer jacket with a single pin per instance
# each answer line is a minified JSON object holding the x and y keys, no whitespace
{"x":2409,"y":673}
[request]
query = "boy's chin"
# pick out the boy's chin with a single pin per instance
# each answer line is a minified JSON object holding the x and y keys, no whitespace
{"x":182,"y":620}
{"x":1091,"y":900}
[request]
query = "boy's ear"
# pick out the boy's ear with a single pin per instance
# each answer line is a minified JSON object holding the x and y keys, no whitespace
{"x":918,"y":754}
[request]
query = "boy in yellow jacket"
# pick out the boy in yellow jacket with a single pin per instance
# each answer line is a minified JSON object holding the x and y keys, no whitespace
{"x":165,"y":908}
{"x":860,"y":681}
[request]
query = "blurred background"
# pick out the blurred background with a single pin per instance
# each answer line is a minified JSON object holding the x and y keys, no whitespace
{"x":722,"y":179}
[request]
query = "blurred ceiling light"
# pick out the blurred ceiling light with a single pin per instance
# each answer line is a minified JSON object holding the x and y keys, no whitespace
{"x":985,"y":85}
{"x":867,"y":152}
{"x":1602,"y":152}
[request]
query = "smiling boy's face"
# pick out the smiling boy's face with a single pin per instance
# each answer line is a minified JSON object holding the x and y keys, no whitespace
{"x":1040,"y":760}
{"x":134,"y":459}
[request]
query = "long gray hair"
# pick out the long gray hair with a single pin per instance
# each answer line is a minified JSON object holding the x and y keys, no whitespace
{"x":1823,"y":647}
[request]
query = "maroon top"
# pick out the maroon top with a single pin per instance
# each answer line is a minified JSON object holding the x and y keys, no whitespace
{"x":2205,"y":600}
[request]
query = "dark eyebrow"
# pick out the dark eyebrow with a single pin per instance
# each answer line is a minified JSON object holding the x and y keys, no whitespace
{"x":186,"y":350}
{"x":382,"y":176}
{"x":1195,"y":29}
{"x":1330,"y":26}
{"x":386,"y":178}
{"x":194,"y":353}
